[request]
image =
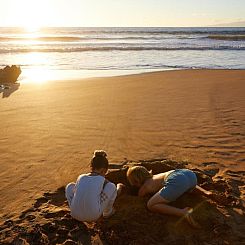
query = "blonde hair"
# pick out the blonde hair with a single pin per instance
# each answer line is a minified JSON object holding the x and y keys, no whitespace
{"x":137,"y":175}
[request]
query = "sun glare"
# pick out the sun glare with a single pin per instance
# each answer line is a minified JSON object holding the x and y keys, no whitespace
{"x":38,"y":73}
{"x":32,"y":29}
{"x":31,"y":15}
{"x":32,"y":33}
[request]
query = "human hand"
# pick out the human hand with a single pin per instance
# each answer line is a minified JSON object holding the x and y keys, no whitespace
{"x":120,"y":187}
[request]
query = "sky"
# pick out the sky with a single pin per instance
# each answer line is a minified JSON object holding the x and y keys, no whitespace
{"x":38,"y":13}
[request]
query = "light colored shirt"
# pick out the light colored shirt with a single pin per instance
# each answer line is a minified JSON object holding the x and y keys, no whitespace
{"x":86,"y":203}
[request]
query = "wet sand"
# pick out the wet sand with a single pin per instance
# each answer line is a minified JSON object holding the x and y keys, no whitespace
{"x":49,"y":131}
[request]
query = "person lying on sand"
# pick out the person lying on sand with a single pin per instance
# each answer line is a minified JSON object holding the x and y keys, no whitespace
{"x":166,"y":187}
{"x":92,"y":195}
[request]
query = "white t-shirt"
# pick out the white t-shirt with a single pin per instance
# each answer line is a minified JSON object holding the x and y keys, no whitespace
{"x":86,"y":203}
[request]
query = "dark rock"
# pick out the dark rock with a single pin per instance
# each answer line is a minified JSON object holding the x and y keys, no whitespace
{"x":9,"y":74}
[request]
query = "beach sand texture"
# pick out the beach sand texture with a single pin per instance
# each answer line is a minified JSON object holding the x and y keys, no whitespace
{"x":220,"y":217}
{"x":49,"y":131}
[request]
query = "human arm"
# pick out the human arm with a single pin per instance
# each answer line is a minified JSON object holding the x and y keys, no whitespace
{"x":161,"y":205}
{"x":199,"y":190}
{"x":143,"y":191}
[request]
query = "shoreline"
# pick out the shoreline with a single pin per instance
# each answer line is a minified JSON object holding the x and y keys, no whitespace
{"x":51,"y":129}
{"x":77,"y":75}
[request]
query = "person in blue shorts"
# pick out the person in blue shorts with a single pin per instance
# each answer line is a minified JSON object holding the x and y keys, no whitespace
{"x":166,"y":187}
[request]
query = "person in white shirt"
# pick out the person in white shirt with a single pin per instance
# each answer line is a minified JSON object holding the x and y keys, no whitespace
{"x":92,"y":195}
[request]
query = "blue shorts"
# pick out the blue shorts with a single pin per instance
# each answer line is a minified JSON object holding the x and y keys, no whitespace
{"x":177,"y":183}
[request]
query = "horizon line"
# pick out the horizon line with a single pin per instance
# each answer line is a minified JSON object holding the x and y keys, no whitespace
{"x":212,"y":26}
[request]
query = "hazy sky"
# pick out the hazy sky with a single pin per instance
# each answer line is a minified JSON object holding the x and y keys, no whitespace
{"x":34,"y":13}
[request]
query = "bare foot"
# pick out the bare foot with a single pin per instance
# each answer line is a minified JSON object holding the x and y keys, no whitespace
{"x":208,"y":193}
{"x":189,"y":218}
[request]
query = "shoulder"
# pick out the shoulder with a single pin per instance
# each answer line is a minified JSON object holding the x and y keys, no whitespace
{"x":82,"y":176}
{"x":142,"y":191}
{"x":89,"y":178}
{"x":145,"y":188}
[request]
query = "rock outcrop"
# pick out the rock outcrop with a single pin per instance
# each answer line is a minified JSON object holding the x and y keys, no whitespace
{"x":9,"y":74}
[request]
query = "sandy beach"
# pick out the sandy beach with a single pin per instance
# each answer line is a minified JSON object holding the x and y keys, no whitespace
{"x":219,"y":218}
{"x":50,"y":130}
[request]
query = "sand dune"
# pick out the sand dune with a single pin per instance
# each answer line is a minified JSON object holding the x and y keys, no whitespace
{"x":49,"y":131}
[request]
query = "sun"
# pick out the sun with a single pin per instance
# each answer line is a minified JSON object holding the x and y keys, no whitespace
{"x":32,"y":28}
{"x":31,"y":14}
{"x":30,"y":23}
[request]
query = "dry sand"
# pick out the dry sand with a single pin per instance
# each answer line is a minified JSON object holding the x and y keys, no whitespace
{"x":49,"y":131}
{"x":220,"y":216}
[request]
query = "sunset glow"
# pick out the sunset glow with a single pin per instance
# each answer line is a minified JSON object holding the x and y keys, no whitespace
{"x":37,"y":74}
{"x":32,"y":14}
{"x":28,"y":14}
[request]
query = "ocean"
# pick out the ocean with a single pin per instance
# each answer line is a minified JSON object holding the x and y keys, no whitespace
{"x":63,"y":53}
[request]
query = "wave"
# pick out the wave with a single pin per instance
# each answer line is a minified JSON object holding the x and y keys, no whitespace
{"x":114,"y":48}
{"x":69,"y":34}
{"x":137,"y":67}
{"x":49,"y":38}
{"x":128,"y":37}
{"x":228,"y":37}
{"x":127,"y":34}
{"x":91,"y":38}
{"x":155,"y":30}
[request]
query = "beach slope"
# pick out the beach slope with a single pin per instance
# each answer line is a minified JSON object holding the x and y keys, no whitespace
{"x":50,"y":130}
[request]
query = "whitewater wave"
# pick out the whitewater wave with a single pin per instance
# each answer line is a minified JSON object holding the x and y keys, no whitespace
{"x":179,"y":35}
{"x":110,"y":48}
{"x":90,"y":38}
{"x":50,"y":38}
{"x":114,"y":48}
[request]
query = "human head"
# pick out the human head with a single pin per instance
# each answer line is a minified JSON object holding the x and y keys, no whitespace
{"x":99,"y":161}
{"x":137,"y":175}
